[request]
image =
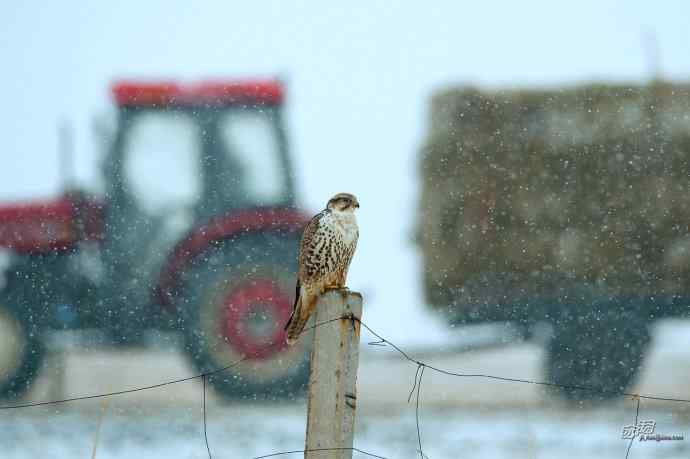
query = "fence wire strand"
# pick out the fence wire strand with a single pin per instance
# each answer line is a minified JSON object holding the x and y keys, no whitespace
{"x":203,"y":404}
{"x":637,"y":417}
{"x":381,"y":342}
{"x":416,"y":412}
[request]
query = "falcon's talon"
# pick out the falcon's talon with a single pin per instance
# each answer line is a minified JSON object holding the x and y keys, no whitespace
{"x":351,"y":317}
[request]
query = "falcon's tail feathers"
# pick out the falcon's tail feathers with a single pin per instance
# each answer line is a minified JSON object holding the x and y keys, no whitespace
{"x":294,"y":306}
{"x":296,"y":325}
{"x":299,"y":318}
{"x":287,"y":324}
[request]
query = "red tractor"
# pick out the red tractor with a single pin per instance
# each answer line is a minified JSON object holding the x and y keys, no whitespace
{"x":196,"y":231}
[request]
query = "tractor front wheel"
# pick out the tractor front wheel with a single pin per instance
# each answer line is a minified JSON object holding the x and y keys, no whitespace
{"x":21,"y":349}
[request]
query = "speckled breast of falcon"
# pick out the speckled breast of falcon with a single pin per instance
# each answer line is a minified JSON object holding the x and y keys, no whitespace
{"x":330,"y":251}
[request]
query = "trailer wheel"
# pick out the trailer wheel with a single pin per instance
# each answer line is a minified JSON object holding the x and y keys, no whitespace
{"x":21,"y":348}
{"x":599,"y":345}
{"x":237,"y":298}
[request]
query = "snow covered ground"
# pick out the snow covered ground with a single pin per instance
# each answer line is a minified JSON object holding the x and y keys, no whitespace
{"x":248,"y":431}
{"x":459,"y":417}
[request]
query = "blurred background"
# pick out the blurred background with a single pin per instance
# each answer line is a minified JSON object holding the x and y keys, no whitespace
{"x":356,"y":114}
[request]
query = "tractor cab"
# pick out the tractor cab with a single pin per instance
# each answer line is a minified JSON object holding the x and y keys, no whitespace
{"x":208,"y":147}
{"x":181,"y":155}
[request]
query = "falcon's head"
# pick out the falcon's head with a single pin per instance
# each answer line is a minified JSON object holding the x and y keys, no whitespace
{"x":343,"y":202}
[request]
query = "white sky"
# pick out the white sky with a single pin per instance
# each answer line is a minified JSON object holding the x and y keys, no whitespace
{"x":359,"y":76}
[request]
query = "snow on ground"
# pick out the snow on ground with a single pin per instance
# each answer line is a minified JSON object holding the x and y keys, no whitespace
{"x":458,"y":417}
{"x":247,"y":431}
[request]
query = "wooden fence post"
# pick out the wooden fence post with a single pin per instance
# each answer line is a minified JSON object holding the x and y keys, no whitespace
{"x":332,"y":381}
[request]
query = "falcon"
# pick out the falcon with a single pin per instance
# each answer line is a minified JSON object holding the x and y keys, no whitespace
{"x":326,"y":250}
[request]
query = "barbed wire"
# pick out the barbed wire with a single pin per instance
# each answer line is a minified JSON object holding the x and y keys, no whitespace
{"x":416,"y":411}
{"x":421,"y":366}
{"x":637,"y":416}
{"x":203,"y":404}
{"x":382,"y":342}
{"x":152,"y":386}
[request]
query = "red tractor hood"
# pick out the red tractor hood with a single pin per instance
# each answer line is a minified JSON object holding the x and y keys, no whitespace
{"x":46,"y":226}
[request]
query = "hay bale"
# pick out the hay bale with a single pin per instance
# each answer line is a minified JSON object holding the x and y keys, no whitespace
{"x":589,"y":182}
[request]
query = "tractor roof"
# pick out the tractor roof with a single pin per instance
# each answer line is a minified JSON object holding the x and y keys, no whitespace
{"x":131,"y":93}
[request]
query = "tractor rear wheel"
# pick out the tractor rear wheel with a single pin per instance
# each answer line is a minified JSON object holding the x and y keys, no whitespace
{"x":21,"y":348}
{"x":237,"y":298}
